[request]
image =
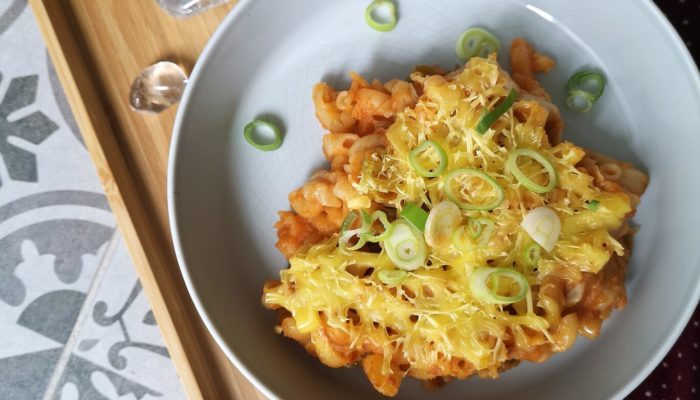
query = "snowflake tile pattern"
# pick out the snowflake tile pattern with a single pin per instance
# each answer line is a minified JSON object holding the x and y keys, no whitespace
{"x":118,"y":346}
{"x":33,"y":128}
{"x":64,"y":273}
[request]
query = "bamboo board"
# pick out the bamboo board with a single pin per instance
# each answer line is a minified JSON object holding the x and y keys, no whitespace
{"x":98,"y":47}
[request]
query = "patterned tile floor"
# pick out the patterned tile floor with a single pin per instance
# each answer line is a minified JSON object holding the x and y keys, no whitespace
{"x":74,"y":322}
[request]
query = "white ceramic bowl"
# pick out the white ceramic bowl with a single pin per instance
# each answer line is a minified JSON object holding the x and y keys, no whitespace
{"x":224,"y":195}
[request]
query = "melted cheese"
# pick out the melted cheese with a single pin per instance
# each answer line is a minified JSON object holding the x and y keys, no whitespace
{"x":433,"y":314}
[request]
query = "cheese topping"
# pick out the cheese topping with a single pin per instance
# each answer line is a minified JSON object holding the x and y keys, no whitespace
{"x":433,"y":313}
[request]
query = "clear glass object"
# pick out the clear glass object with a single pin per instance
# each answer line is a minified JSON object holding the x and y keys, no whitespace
{"x":188,"y":8}
{"x":157,"y":87}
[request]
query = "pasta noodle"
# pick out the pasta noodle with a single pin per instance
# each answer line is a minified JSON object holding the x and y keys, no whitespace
{"x":431,"y":326}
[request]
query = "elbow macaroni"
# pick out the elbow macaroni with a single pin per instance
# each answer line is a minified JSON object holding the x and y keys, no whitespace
{"x":431,"y":327}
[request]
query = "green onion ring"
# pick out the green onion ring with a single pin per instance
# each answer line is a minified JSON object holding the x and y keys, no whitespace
{"x":482,"y":228}
{"x":392,"y":277}
{"x":407,"y":249}
{"x":346,"y":233}
{"x":488,"y":118}
{"x":579,"y":101}
{"x":475,"y":172}
{"x":345,"y":239}
{"x":420,"y":169}
{"x":487,"y":231}
{"x":457,"y":239}
{"x":480,"y":277}
{"x":593,"y":205}
{"x":252,"y":127}
{"x":381,"y":217}
{"x":415,"y":215}
{"x":578,"y":80}
{"x":476,"y":42}
{"x":352,"y":217}
{"x":474,"y":228}
{"x":381,"y":26}
{"x":531,"y":255}
{"x":404,"y":237}
{"x":512,"y":167}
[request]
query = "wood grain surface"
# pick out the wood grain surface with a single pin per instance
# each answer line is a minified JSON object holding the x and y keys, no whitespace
{"x":98,"y":47}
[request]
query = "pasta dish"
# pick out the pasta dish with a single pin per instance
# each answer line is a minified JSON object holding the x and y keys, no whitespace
{"x":454,"y":232}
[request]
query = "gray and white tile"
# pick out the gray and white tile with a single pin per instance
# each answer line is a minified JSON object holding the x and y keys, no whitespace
{"x":38,"y":321}
{"x":118,"y":348}
{"x":52,"y":232}
{"x":73,"y":320}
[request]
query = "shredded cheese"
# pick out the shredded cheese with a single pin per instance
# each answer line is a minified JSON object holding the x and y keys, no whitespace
{"x":433,"y":313}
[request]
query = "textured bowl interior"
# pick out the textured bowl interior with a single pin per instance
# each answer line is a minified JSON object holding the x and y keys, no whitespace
{"x":264,"y":60}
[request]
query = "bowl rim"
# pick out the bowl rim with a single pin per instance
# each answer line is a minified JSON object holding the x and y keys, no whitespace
{"x":207,"y":53}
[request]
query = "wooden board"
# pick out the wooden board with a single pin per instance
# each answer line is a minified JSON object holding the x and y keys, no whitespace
{"x":98,"y":47}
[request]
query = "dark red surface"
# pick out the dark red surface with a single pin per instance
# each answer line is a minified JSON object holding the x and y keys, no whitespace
{"x":678,"y":375}
{"x":685,"y":17}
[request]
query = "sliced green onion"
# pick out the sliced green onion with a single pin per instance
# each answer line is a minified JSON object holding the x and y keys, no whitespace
{"x":378,"y":24}
{"x":415,"y":215}
{"x":381,"y":217}
{"x":474,"y":228}
{"x":477,"y":228}
{"x":346,"y":233}
{"x":584,"y":88}
{"x":486,"y":230}
{"x":449,"y":191}
{"x":476,"y":42}
{"x":344,"y":240}
{"x":479,"y":285}
{"x":392,"y":277}
{"x":442,"y":221}
{"x":406,"y":250}
{"x":512,"y":167}
{"x":544,"y":226}
{"x":252,"y":135}
{"x":416,"y":164}
{"x":593,"y":205}
{"x":352,"y":217}
{"x":581,"y":81}
{"x":531,"y":255}
{"x":458,"y":240}
{"x":488,"y":118}
{"x":579,"y":101}
{"x":405,"y":246}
